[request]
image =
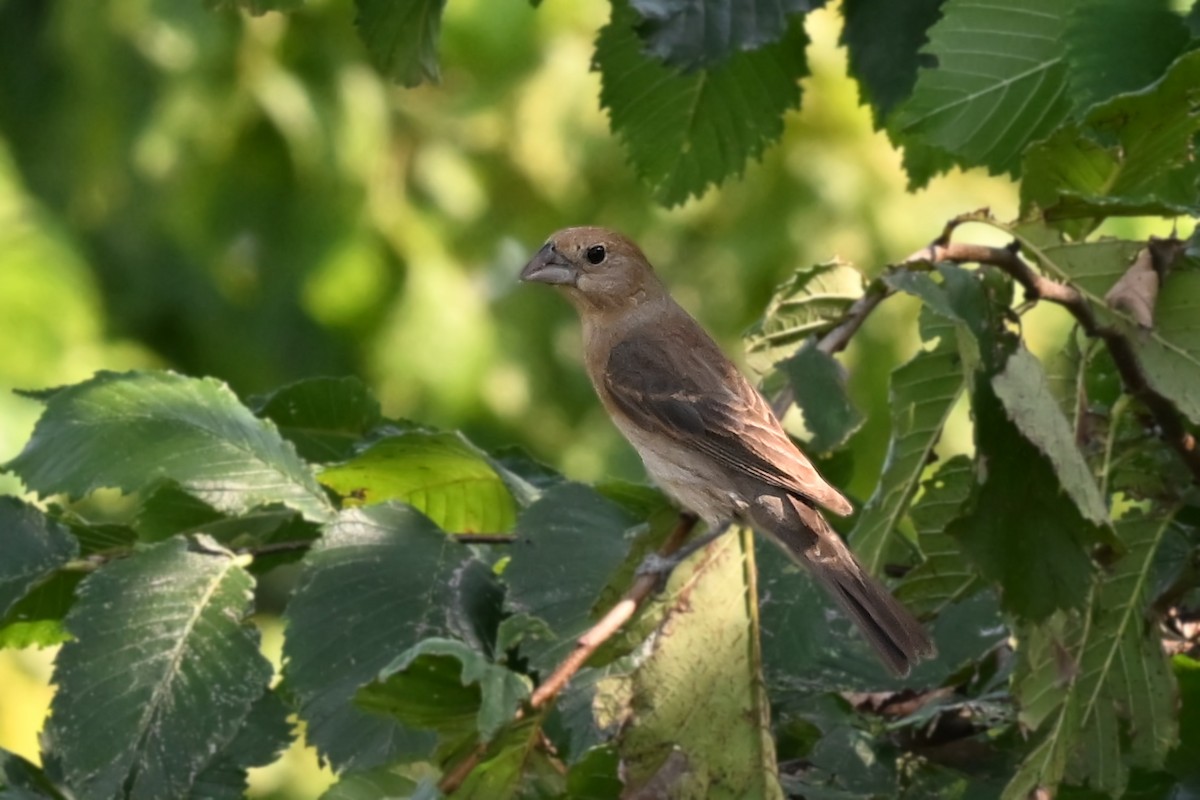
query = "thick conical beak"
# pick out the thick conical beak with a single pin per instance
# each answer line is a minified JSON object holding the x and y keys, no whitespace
{"x":549,"y":267}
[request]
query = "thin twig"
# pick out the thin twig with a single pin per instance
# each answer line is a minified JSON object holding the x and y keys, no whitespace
{"x":585,"y":646}
{"x":1170,"y":423}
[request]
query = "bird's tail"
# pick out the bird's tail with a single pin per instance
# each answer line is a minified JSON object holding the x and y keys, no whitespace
{"x":899,"y":639}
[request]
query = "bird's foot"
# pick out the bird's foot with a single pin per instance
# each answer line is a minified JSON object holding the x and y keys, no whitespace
{"x":662,"y":566}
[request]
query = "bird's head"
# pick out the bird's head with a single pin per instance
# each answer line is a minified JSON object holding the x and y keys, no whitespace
{"x":597,"y":269}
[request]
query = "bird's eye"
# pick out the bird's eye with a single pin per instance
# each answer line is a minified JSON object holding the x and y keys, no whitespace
{"x":595,"y":254}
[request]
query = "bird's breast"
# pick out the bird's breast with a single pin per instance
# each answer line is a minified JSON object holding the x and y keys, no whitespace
{"x":688,"y":477}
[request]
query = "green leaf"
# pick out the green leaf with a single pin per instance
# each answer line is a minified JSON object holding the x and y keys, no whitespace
{"x":690,"y":35}
{"x":1025,"y":392}
{"x":708,"y":642}
{"x":34,"y":547}
{"x":1149,"y":35}
{"x":568,"y":544}
{"x":378,"y":581}
{"x":1034,"y":547}
{"x":379,"y":784}
{"x":808,"y":304}
{"x":1131,"y":155}
{"x":819,"y":385}
{"x":170,"y":511}
{"x":325,"y":418}
{"x":1113,"y":669}
{"x":22,"y":780}
{"x":999,"y":83}
{"x":444,"y":685}
{"x":440,"y":474}
{"x":684,"y":132}
{"x":922,"y":394}
{"x":261,"y":738}
{"x":944,"y":577}
{"x":1170,"y":352}
{"x":401,"y":37}
{"x":882,"y":41}
{"x":514,"y":767}
{"x":36,"y":621}
{"x":596,"y":775}
{"x":128,"y":430}
{"x":162,"y":672}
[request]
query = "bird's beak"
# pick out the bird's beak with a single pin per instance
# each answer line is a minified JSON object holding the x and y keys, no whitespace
{"x":549,"y":267}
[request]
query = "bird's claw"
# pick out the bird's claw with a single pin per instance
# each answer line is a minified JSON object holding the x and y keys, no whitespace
{"x":659,"y":566}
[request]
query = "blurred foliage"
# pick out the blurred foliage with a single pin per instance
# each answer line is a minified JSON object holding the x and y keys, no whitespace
{"x":246,"y":195}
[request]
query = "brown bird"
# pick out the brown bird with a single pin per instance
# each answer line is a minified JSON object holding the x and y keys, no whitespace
{"x":706,"y":436}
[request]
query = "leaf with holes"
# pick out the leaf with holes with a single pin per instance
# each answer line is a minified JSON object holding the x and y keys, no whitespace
{"x":162,"y":672}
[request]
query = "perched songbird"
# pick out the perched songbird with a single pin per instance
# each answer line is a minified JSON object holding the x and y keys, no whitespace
{"x":706,"y":436}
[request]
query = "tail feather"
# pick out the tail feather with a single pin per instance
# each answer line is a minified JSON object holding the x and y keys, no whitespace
{"x":895,"y":634}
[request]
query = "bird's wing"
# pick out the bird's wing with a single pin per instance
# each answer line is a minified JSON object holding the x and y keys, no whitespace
{"x":687,"y":390}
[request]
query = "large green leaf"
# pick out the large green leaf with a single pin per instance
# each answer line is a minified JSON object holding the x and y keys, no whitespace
{"x":1017,"y":529}
{"x":401,"y":36}
{"x":162,"y":672}
{"x":705,"y":655}
{"x":444,"y":685}
{"x":262,"y":736}
{"x":882,"y":40}
{"x":809,"y":303}
{"x":128,"y":430}
{"x":568,"y":545}
{"x":440,"y":474}
{"x":1115,"y":670}
{"x":690,"y":34}
{"x":378,"y":581}
{"x":922,"y":394}
{"x":34,"y":548}
{"x":684,"y":132}
{"x":999,"y":83}
{"x":944,"y":577}
{"x":1024,"y":390}
{"x":1130,"y":155}
{"x":323,"y":417}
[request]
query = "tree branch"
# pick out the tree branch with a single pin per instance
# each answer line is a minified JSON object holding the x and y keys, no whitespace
{"x":587,"y":644}
{"x":1170,"y":423}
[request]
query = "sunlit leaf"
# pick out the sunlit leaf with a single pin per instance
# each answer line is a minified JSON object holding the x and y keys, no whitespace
{"x":128,"y":430}
{"x":162,"y":672}
{"x":440,"y":474}
{"x":684,"y":132}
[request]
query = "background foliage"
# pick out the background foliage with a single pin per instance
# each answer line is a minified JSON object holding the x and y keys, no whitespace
{"x":248,"y":196}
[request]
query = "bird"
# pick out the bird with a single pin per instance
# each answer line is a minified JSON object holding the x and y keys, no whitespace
{"x":706,"y":436}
